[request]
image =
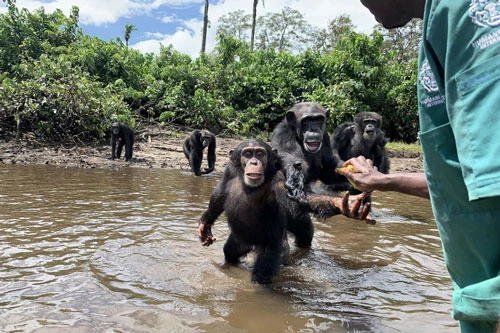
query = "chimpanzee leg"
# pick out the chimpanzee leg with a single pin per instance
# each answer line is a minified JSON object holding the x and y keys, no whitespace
{"x":195,"y":162}
{"x":234,"y":249}
{"x":267,"y":263}
{"x":120,"y":147}
{"x":303,"y":229}
{"x":128,"y":150}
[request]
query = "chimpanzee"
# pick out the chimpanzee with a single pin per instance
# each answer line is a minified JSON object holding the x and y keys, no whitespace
{"x":361,"y":137}
{"x":125,"y":135}
{"x":193,"y":150}
{"x":258,"y":208}
{"x":302,"y":138}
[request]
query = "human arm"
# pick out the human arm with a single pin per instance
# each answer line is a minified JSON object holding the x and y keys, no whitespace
{"x":367,"y":178}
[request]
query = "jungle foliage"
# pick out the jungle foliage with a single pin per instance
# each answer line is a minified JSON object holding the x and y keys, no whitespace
{"x":61,"y":84}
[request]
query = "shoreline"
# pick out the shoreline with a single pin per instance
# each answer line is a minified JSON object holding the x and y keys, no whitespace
{"x":152,"y":149}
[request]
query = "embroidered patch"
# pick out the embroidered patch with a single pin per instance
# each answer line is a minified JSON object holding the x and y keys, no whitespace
{"x":485,"y":13}
{"x":426,"y":77}
{"x":428,"y":81}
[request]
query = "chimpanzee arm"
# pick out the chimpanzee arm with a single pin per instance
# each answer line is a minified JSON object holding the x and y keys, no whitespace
{"x":350,"y":206}
{"x":210,"y":157}
{"x":380,"y":156}
{"x":323,"y":205}
{"x":330,"y":161}
{"x":113,"y":146}
{"x":215,"y":209}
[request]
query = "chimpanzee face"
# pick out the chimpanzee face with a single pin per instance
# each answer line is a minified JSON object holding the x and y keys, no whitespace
{"x":312,"y":129}
{"x":205,"y":141}
{"x":308,"y":120}
{"x":369,"y":125}
{"x":116,"y":128}
{"x":254,"y":161}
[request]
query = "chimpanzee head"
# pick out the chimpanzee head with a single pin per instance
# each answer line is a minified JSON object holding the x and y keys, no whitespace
{"x":255,"y":161}
{"x":206,"y":137}
{"x":369,"y":124}
{"x":309,"y":122}
{"x":116,"y":127}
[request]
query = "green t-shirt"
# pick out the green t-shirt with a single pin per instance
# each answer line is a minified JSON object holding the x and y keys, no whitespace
{"x":459,"y":109}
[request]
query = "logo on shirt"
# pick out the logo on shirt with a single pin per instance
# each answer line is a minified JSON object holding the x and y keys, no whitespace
{"x":485,"y":13}
{"x":428,"y":81}
{"x":426,"y":77}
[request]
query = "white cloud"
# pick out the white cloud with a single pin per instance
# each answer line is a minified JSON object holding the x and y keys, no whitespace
{"x":187,"y":37}
{"x":318,"y":14}
{"x":168,"y":19}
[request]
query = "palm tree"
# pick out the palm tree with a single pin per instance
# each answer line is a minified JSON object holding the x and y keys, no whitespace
{"x":128,"y":30}
{"x":205,"y":26}
{"x":254,"y":22}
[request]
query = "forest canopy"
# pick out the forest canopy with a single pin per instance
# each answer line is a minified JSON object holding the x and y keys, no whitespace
{"x":61,"y":84}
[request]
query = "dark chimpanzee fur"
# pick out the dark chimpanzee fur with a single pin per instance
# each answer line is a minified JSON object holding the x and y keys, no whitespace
{"x":193,"y":150}
{"x":125,"y":135}
{"x":301,"y":138}
{"x":258,"y":209}
{"x":361,"y":137}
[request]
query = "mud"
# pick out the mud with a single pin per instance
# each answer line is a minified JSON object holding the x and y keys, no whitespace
{"x":156,"y":147}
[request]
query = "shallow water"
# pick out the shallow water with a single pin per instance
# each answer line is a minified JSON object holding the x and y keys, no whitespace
{"x":97,"y":250}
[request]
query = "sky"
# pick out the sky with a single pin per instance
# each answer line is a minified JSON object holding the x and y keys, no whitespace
{"x":180,"y":22}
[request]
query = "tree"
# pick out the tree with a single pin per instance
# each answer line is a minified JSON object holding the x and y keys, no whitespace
{"x":205,"y":27}
{"x":327,"y":38}
{"x":235,"y":24}
{"x":405,"y":40}
{"x":128,"y":30}
{"x":254,"y":22}
{"x":285,"y":31}
{"x":28,"y":35}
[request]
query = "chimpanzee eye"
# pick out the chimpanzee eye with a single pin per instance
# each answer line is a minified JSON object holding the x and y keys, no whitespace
{"x":247,"y":154}
{"x":259,"y":154}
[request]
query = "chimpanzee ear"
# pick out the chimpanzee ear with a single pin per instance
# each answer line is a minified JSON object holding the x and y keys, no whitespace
{"x":327,"y":113}
{"x":233,"y":158}
{"x":290,"y":118}
{"x":275,"y":153}
{"x":277,"y":159}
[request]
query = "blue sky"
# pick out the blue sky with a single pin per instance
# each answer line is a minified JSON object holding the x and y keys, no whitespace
{"x":179,"y":22}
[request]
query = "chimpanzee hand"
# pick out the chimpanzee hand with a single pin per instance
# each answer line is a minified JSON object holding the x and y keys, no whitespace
{"x":295,"y":183}
{"x":351,"y":207}
{"x":205,"y":234}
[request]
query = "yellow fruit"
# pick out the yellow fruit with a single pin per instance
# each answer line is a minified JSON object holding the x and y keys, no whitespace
{"x":342,"y":170}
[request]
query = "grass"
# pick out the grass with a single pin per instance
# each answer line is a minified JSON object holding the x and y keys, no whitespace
{"x":401,"y":148}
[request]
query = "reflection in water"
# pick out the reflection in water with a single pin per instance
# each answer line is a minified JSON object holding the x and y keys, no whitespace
{"x":116,"y":250}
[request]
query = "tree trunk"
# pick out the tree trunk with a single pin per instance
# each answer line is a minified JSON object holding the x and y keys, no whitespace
{"x":205,"y":27}
{"x":254,"y":23}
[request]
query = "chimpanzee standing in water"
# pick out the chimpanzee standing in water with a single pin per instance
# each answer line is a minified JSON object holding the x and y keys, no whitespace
{"x":193,"y":150}
{"x":125,"y":136}
{"x":257,"y":206}
{"x":361,"y":137}
{"x":301,"y":140}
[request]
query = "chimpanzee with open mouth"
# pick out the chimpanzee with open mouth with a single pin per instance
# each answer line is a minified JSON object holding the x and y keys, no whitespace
{"x":302,"y":140}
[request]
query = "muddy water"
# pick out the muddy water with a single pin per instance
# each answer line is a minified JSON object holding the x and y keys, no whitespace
{"x":93,"y":250}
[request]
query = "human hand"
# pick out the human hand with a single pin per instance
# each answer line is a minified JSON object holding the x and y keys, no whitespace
{"x":205,"y":234}
{"x":361,"y":173}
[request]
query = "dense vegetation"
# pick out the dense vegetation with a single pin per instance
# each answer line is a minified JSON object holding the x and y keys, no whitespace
{"x":61,"y":84}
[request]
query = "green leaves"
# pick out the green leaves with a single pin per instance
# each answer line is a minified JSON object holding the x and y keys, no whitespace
{"x":64,"y":85}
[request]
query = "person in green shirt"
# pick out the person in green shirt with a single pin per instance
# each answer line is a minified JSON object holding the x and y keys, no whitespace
{"x":459,"y":113}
